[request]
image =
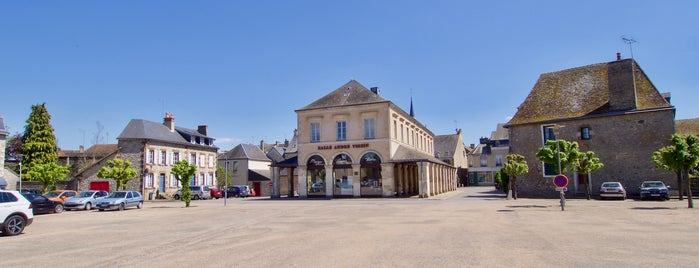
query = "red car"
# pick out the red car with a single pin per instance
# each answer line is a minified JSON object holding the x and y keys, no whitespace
{"x":215,"y":193}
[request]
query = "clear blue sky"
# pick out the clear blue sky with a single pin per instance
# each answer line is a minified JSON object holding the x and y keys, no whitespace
{"x":243,"y":67}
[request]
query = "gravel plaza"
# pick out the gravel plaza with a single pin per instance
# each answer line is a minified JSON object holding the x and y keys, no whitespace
{"x":470,"y":227}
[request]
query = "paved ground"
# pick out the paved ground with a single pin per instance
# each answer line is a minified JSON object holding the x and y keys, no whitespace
{"x":466,"y":228}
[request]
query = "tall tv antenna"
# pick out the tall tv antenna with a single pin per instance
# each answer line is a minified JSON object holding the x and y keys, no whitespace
{"x":629,"y":41}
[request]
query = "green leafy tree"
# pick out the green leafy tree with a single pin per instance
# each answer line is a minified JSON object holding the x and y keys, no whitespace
{"x":118,"y":170}
{"x":223,"y":177}
{"x":504,"y":181}
{"x":681,"y":156}
{"x":183,"y":172}
{"x":38,"y":141}
{"x":515,"y":166}
{"x":48,"y":174}
{"x":585,"y":163}
{"x":549,"y":154}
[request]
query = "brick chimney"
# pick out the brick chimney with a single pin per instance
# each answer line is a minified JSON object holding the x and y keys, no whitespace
{"x":203,"y":130}
{"x":618,"y":56}
{"x":169,"y":121}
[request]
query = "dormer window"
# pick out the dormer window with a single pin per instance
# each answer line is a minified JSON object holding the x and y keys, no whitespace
{"x":347,"y":92}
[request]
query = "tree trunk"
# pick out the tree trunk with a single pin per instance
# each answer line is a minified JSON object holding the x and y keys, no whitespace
{"x":514,"y":185}
{"x":679,"y":184}
{"x":586,"y":181}
{"x":690,"y":202}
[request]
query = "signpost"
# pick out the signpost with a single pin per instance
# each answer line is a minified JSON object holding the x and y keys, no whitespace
{"x":561,"y":181}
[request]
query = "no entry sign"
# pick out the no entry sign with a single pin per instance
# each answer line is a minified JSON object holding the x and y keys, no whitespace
{"x":560,"y":181}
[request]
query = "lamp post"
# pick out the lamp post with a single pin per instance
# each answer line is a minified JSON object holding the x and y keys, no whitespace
{"x":560,"y":169}
{"x":20,"y":172}
{"x":225,"y":186}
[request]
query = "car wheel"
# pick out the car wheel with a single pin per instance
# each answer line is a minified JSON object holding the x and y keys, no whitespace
{"x":195,"y":197}
{"x":14,"y":225}
{"x":140,"y":205}
{"x":121,"y":206}
{"x":58,"y":208}
{"x":177,"y":197}
{"x":88,"y":206}
{"x":101,"y":209}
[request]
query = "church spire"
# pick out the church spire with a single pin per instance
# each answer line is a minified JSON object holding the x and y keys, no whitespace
{"x":412,"y":113}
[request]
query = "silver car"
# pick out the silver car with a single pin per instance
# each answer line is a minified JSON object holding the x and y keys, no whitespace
{"x":121,"y":200}
{"x":85,"y":200}
{"x":198,"y":192}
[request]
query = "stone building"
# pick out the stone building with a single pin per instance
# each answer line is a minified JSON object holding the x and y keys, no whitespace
{"x":4,"y":182}
{"x":450,"y":149}
{"x":488,"y":157}
{"x":248,"y":165}
{"x":153,"y":148}
{"x":77,"y":160}
{"x":610,"y":108}
{"x":353,"y":143}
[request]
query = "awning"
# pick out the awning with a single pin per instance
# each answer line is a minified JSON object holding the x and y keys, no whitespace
{"x":291,"y":162}
{"x":259,"y":175}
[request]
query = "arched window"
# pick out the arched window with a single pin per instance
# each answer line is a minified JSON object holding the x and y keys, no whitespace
{"x":370,"y":182}
{"x":342,"y":175}
{"x":315,"y":176}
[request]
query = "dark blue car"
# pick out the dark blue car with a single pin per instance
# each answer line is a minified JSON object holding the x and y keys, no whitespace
{"x":654,"y":190}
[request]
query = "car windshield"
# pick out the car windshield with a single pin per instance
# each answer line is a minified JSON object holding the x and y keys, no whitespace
{"x":86,"y":194}
{"x":611,"y":185}
{"x":52,"y":194}
{"x":653,"y":184}
{"x":118,"y":195}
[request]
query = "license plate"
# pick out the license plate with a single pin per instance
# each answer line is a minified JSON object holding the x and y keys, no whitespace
{"x":654,"y":195}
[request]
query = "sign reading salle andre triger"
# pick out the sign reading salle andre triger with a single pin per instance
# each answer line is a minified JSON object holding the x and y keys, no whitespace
{"x":343,"y":146}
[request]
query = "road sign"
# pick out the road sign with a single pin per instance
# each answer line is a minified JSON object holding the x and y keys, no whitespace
{"x":562,"y":189}
{"x":560,"y":181}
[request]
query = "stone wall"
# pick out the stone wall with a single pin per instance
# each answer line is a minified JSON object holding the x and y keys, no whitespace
{"x":624,"y":143}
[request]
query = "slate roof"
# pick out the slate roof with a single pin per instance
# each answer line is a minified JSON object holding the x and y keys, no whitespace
{"x":687,"y":126}
{"x":405,"y":154}
{"x":245,"y":151}
{"x":259,"y":175}
{"x":446,"y":143}
{"x":97,"y":150}
{"x":358,"y":94}
{"x":139,"y":129}
{"x":581,"y":91}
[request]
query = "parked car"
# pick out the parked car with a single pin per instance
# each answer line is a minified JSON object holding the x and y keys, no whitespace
{"x":245,"y":191}
{"x":121,"y":200}
{"x":61,"y":195}
{"x":612,"y":190}
{"x":318,"y":186}
{"x":216,"y":193}
{"x":198,"y":192}
{"x":85,"y":200}
{"x":43,"y":205}
{"x":654,"y":189}
{"x":15,"y":212}
{"x":31,"y":191}
{"x":232,"y":191}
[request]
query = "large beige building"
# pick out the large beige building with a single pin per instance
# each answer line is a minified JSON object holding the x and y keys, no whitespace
{"x":353,"y":143}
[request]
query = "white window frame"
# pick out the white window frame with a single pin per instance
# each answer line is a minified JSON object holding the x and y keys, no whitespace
{"x":369,"y":128}
{"x":163,"y":156}
{"x":211,"y":161}
{"x":149,"y":180}
{"x":150,"y":156}
{"x":341,"y":130}
{"x":315,"y":131}
{"x":173,"y":181}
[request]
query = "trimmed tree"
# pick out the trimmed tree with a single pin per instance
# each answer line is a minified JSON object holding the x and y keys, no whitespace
{"x":681,"y":156}
{"x":515,"y":166}
{"x":48,"y":174}
{"x":222,"y":177}
{"x":183,"y":172}
{"x":118,"y":170}
{"x":549,"y":154}
{"x":586,"y":163}
{"x":38,"y":141}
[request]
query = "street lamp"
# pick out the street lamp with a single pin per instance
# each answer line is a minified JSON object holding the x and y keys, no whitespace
{"x":225,"y":186}
{"x":20,"y":172}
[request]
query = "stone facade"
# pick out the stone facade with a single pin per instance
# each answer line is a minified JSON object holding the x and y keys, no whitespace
{"x":623,"y":143}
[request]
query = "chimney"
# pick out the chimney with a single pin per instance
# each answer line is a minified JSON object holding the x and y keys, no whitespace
{"x":622,"y":87}
{"x":82,"y":148}
{"x":618,"y":56}
{"x":375,"y":90}
{"x":203,"y":130}
{"x":169,"y":121}
{"x":262,"y":145}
